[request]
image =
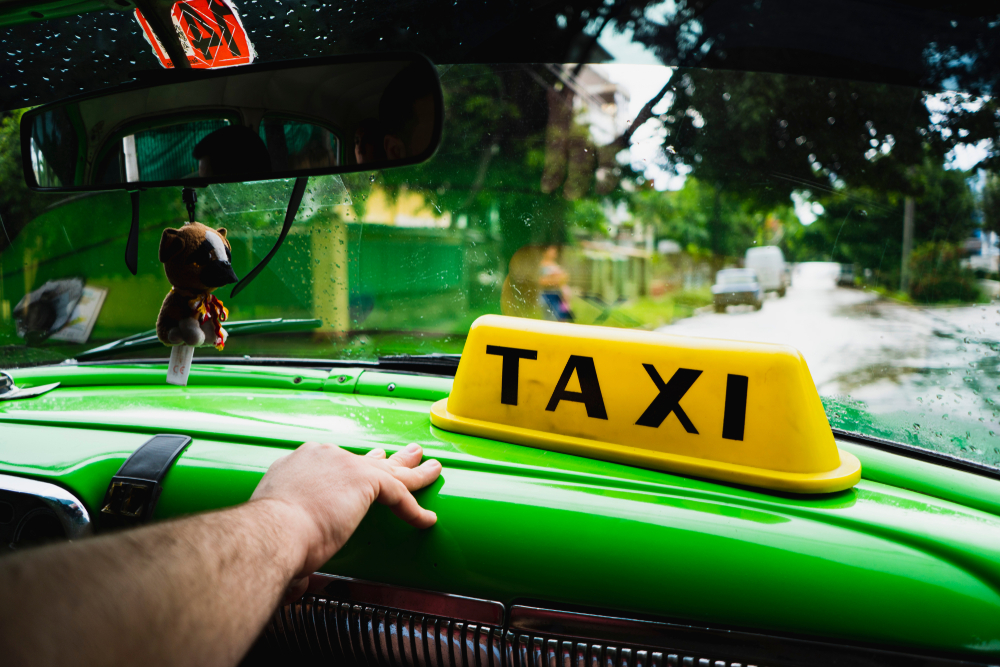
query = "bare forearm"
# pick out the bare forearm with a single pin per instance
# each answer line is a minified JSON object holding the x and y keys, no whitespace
{"x":205,"y":584}
{"x":198,"y":591}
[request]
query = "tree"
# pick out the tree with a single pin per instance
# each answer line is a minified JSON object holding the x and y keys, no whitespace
{"x":18,"y":205}
{"x":859,"y":148}
{"x":495,"y":166}
{"x":991,"y":203}
{"x":938,"y":274}
{"x":763,"y":136}
{"x":863,"y":225}
{"x":702,"y":217}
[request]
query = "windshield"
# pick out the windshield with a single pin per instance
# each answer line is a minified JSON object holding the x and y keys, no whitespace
{"x":609,"y":191}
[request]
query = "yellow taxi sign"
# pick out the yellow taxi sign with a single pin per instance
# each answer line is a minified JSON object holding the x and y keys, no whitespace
{"x":739,"y":412}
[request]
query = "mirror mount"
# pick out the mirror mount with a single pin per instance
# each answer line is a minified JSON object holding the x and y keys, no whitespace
{"x":157,"y":15}
{"x":190,"y":197}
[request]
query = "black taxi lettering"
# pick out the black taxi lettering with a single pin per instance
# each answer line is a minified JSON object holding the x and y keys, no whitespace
{"x":735,"y":417}
{"x":666,"y":402}
{"x":669,"y":398}
{"x":510,"y":370}
{"x":590,"y":390}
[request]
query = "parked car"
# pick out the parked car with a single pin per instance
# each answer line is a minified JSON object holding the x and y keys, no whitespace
{"x":772,"y":270}
{"x":845,"y":276}
{"x":737,"y":286}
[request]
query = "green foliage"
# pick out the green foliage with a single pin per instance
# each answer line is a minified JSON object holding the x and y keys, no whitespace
{"x":991,"y":202}
{"x":18,"y":204}
{"x":802,"y":243}
{"x":938,"y":277}
{"x":864,"y":226}
{"x":859,"y":147}
{"x":762,"y":135}
{"x":645,"y":312}
{"x":588,"y":215}
{"x":752,"y":139}
{"x":680,"y":216}
{"x":701,"y":216}
{"x":489,"y":166}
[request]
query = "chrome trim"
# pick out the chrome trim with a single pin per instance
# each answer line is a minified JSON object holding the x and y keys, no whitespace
{"x":10,"y":391}
{"x":441,"y":605}
{"x":69,"y":509}
{"x":374,"y":625}
{"x":364,"y":624}
{"x":628,"y":642}
{"x":549,"y":651}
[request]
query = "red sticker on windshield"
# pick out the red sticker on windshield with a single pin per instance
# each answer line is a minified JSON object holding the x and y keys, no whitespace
{"x":211,"y":33}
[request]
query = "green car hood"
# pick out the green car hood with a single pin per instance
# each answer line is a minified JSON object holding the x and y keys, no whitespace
{"x":909,"y":558}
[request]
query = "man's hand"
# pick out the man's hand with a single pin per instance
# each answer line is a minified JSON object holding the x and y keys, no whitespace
{"x":198,"y":590}
{"x":325,"y":491}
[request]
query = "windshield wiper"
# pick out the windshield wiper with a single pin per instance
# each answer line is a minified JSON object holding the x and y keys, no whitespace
{"x":148,"y":340}
{"x":438,"y":364}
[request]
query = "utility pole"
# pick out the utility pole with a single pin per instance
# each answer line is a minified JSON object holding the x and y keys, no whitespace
{"x":908,"y":209}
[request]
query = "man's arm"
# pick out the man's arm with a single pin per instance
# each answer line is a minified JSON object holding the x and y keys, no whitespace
{"x":198,"y":591}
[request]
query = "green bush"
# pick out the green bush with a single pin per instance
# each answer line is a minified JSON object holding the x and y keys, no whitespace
{"x":936,"y":275}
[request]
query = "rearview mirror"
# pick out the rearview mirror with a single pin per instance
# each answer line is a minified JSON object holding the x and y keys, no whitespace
{"x":313,"y":117}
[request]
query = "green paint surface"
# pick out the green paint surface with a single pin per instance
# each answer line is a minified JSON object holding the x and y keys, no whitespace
{"x":910,"y":558}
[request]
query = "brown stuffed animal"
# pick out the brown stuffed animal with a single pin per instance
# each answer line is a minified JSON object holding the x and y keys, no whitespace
{"x":197,"y":260}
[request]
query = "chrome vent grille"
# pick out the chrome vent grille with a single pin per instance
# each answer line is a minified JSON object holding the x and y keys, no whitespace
{"x":351,"y":623}
{"x":381,"y":637}
{"x":546,"y":651}
{"x":354,"y":634}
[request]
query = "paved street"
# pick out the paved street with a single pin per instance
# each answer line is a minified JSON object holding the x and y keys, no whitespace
{"x":917,"y":367}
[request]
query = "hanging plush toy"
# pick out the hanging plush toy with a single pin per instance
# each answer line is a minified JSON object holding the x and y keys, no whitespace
{"x":197,"y":260}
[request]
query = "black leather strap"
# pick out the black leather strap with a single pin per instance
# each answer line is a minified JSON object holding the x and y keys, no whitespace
{"x":135,"y":488}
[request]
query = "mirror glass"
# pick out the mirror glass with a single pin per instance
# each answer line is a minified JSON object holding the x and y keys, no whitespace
{"x":223,"y":127}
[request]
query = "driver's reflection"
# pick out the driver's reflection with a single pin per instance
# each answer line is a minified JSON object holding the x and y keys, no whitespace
{"x":406,"y":112}
{"x":232,"y":151}
{"x":368,"y":140}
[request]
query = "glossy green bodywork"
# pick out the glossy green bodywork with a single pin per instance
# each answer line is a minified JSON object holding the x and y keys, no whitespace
{"x":910,"y":558}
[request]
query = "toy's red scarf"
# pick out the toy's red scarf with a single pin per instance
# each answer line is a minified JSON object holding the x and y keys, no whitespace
{"x":208,"y":307}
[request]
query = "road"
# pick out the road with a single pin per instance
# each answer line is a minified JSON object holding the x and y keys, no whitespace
{"x":921,"y":370}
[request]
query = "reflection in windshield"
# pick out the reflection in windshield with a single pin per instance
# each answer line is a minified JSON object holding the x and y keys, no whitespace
{"x":260,"y":196}
{"x":610,"y":195}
